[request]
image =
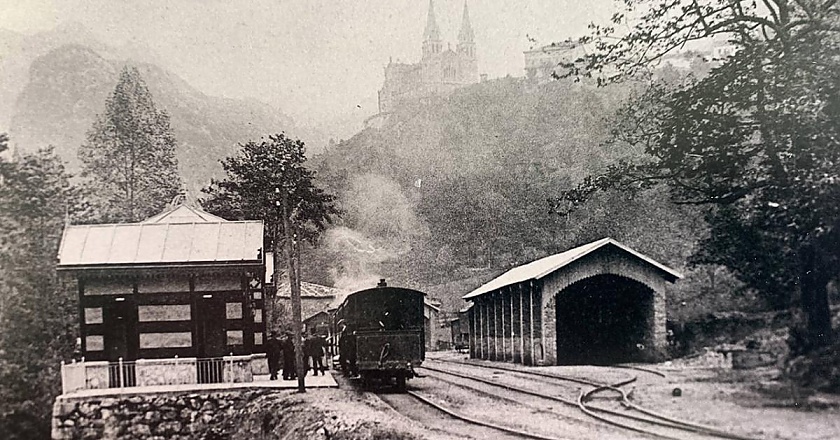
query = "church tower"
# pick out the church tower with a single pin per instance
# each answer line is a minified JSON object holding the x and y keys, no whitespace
{"x":439,"y":72}
{"x":466,"y":49}
{"x":432,"y":44}
{"x":466,"y":37}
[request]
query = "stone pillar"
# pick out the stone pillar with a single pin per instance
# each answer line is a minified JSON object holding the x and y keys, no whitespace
{"x":549,"y":325}
{"x":527,"y":326}
{"x":659,"y":339}
{"x":516,"y":320}
{"x":491,"y":343}
{"x":497,"y":333}
{"x":471,"y":324}
{"x":485,"y":343}
{"x":505,"y":321}
{"x":477,"y":336}
{"x":537,"y":323}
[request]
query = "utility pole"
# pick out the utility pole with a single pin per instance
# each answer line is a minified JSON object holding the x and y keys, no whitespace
{"x":294,"y":284}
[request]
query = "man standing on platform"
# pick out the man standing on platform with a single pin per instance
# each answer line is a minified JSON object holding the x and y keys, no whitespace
{"x":315,"y":350}
{"x":288,"y":357}
{"x":272,"y":354}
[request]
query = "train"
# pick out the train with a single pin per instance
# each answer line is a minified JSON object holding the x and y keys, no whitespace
{"x":380,"y":334}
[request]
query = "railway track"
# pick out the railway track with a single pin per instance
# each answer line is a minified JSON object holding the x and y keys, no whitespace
{"x":630,"y":417}
{"x":457,"y":425}
{"x":477,"y":422}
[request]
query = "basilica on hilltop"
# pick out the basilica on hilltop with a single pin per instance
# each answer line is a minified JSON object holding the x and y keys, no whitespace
{"x":439,"y":71}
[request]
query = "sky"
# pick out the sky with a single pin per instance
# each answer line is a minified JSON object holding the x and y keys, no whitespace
{"x":316,"y":60}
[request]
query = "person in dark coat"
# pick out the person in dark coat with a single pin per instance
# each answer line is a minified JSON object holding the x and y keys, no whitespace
{"x":272,"y":354}
{"x":288,"y":358}
{"x":315,"y":351}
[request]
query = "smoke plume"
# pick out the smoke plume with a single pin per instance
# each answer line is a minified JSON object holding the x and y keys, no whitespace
{"x":380,"y":225}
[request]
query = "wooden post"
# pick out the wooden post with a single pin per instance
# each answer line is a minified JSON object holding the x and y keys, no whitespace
{"x":294,"y":284}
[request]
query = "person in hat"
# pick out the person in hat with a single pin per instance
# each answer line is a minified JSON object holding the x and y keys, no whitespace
{"x":288,"y":357}
{"x":272,"y":354}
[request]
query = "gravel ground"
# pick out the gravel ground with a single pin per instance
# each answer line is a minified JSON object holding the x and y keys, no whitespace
{"x":748,"y":403}
{"x":322,"y":413}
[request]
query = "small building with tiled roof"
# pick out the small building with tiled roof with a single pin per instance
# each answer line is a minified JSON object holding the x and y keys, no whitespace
{"x":184,"y":285}
{"x":597,"y":303}
{"x":314,"y":298}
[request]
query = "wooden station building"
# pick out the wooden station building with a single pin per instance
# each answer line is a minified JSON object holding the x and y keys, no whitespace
{"x":183,"y":285}
{"x":599,"y":303}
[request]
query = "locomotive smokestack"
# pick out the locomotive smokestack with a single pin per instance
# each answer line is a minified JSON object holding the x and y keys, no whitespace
{"x":382,"y":283}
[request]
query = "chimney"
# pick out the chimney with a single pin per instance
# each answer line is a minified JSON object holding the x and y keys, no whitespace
{"x":382,"y":283}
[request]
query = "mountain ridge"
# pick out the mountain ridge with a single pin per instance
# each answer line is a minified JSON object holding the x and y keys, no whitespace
{"x":67,"y":88}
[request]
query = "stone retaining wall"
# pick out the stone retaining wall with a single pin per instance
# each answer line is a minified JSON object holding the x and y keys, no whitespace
{"x":147,"y":416}
{"x":235,"y":415}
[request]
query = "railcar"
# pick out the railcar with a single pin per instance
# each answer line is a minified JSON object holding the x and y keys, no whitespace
{"x":381,"y":334}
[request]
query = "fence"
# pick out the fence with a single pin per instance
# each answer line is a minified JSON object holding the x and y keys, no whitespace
{"x":87,"y":375}
{"x":122,"y":374}
{"x":210,"y":370}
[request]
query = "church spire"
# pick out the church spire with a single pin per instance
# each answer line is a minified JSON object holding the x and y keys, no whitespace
{"x":432,"y":32}
{"x":466,"y":35}
{"x":432,"y":43}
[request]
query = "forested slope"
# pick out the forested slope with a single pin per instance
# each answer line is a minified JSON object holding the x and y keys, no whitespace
{"x":451,"y":191}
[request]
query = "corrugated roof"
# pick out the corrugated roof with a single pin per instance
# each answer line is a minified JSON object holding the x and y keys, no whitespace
{"x":144,"y":243}
{"x":538,"y":269}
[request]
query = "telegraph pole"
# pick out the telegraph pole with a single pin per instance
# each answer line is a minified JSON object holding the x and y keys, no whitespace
{"x":294,"y":284}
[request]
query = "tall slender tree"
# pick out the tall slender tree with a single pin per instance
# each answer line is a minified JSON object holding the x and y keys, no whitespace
{"x":129,"y":156}
{"x":268,"y":181}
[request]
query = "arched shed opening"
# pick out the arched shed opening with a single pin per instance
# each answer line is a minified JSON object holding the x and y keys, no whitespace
{"x":597,"y":303}
{"x":602,"y":320}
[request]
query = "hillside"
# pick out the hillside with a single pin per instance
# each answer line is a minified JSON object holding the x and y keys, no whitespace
{"x":67,"y":88}
{"x":452,"y":191}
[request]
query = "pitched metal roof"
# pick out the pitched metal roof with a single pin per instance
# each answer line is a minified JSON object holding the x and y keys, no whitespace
{"x":184,"y":214}
{"x":160,"y":242}
{"x":538,"y":269}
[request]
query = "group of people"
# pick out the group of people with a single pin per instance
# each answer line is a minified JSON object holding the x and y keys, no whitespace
{"x":314,"y":348}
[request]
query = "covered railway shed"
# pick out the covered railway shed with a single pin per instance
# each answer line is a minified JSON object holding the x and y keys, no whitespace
{"x":599,"y":303}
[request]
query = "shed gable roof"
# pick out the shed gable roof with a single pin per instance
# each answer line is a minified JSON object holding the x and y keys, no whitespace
{"x":538,"y":269}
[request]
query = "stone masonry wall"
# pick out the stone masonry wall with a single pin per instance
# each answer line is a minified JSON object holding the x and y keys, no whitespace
{"x":147,"y":416}
{"x":319,"y":414}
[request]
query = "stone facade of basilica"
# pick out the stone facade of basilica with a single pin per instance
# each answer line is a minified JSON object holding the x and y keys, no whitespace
{"x":439,"y":71}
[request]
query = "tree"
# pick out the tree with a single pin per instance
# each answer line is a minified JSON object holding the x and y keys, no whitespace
{"x":756,"y":140}
{"x":129,"y":157}
{"x":268,"y":181}
{"x":37,"y":314}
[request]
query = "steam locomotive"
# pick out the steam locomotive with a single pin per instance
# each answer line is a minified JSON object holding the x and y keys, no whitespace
{"x":381,"y":334}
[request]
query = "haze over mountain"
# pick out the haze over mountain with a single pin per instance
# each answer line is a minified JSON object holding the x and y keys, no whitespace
{"x":18,"y":51}
{"x":453,"y":190}
{"x":59,"y":94}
